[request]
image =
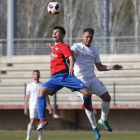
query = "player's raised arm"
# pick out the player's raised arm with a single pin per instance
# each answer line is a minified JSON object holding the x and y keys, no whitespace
{"x":101,"y":67}
{"x":26,"y":104}
{"x":49,"y":45}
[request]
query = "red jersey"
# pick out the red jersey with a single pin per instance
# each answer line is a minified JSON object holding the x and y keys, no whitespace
{"x":58,"y":58}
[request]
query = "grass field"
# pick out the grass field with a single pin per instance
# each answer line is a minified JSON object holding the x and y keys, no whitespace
{"x":69,"y":135}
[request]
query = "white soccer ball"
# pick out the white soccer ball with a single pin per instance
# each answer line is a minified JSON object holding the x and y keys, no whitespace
{"x":54,"y":8}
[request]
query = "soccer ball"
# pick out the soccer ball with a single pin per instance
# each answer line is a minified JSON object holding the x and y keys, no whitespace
{"x":54,"y":8}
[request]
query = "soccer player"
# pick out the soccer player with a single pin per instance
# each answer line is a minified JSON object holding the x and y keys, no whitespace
{"x":61,"y":76}
{"x":31,"y":94}
{"x":86,"y":56}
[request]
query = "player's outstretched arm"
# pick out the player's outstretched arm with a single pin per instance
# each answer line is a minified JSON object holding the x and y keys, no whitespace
{"x":101,"y":67}
{"x":49,"y":45}
{"x":26,"y":104}
{"x":48,"y":104}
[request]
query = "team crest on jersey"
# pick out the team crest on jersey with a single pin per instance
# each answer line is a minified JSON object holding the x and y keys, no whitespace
{"x":94,"y":52}
{"x":56,"y":49}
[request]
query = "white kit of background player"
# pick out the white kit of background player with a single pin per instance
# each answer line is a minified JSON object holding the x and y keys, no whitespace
{"x":31,"y":96}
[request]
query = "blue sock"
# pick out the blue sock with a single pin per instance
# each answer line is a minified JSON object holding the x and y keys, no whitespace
{"x":87,"y":101}
{"x":42,"y":107}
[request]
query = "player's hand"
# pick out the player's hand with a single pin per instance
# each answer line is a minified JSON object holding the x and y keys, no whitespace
{"x":49,"y":45}
{"x":117,"y":67}
{"x":50,"y":110}
{"x":25,"y":111}
{"x":71,"y":72}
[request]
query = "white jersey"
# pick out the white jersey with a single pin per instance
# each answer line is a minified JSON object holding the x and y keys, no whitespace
{"x":32,"y":90}
{"x":86,"y":57}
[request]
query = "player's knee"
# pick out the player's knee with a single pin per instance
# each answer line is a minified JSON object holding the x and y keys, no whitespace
{"x":108,"y":98}
{"x":88,"y":93}
{"x":32,"y":122}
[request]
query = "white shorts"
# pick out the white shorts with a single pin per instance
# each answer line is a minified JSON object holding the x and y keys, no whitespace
{"x":95,"y":86}
{"x":34,"y":113}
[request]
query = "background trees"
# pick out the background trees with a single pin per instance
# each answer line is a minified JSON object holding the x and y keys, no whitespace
{"x":35,"y":22}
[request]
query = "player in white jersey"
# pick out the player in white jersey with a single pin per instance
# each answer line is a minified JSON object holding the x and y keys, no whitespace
{"x":86,"y":56}
{"x":31,"y":96}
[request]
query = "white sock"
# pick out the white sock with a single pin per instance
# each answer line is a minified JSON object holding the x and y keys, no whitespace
{"x":40,"y":134}
{"x":91,"y":118}
{"x":29,"y":130}
{"x":104,"y":110}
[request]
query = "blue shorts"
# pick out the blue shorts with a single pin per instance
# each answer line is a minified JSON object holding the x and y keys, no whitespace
{"x":63,"y":79}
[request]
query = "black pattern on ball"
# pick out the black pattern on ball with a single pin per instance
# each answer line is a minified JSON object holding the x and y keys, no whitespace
{"x":57,"y":6}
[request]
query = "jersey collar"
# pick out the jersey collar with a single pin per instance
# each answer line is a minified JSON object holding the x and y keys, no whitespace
{"x":84,"y":45}
{"x":57,"y":43}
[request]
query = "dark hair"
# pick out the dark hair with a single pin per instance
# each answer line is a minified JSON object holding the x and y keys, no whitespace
{"x":36,"y":71}
{"x":90,"y":30}
{"x":61,"y":29}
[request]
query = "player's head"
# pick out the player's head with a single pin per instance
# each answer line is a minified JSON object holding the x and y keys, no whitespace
{"x":87,"y":36}
{"x":58,"y":34}
{"x":36,"y":75}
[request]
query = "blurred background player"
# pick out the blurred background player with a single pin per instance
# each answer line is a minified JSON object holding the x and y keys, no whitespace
{"x":86,"y":56}
{"x":31,"y":96}
{"x":61,"y":75}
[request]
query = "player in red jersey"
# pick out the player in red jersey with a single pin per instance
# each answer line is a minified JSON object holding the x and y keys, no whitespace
{"x":61,"y":76}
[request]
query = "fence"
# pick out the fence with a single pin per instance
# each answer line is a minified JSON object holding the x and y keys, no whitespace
{"x":37,"y":46}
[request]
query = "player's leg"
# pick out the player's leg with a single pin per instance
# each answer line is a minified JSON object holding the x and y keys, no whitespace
{"x":94,"y":112}
{"x":31,"y":124}
{"x":49,"y":88}
{"x":44,"y":91}
{"x":30,"y":128}
{"x":92,"y":119}
{"x":87,"y":98}
{"x":40,"y":132}
{"x":75,"y":84}
{"x":100,"y":90}
{"x":86,"y":92}
{"x":105,"y":106}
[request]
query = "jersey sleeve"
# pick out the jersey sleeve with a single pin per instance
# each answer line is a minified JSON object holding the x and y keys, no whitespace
{"x":28,"y":90}
{"x":66,"y":51}
{"x":97,"y":58}
{"x":74,"y":48}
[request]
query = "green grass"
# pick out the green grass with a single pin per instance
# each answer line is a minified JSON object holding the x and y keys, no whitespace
{"x":69,"y":135}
